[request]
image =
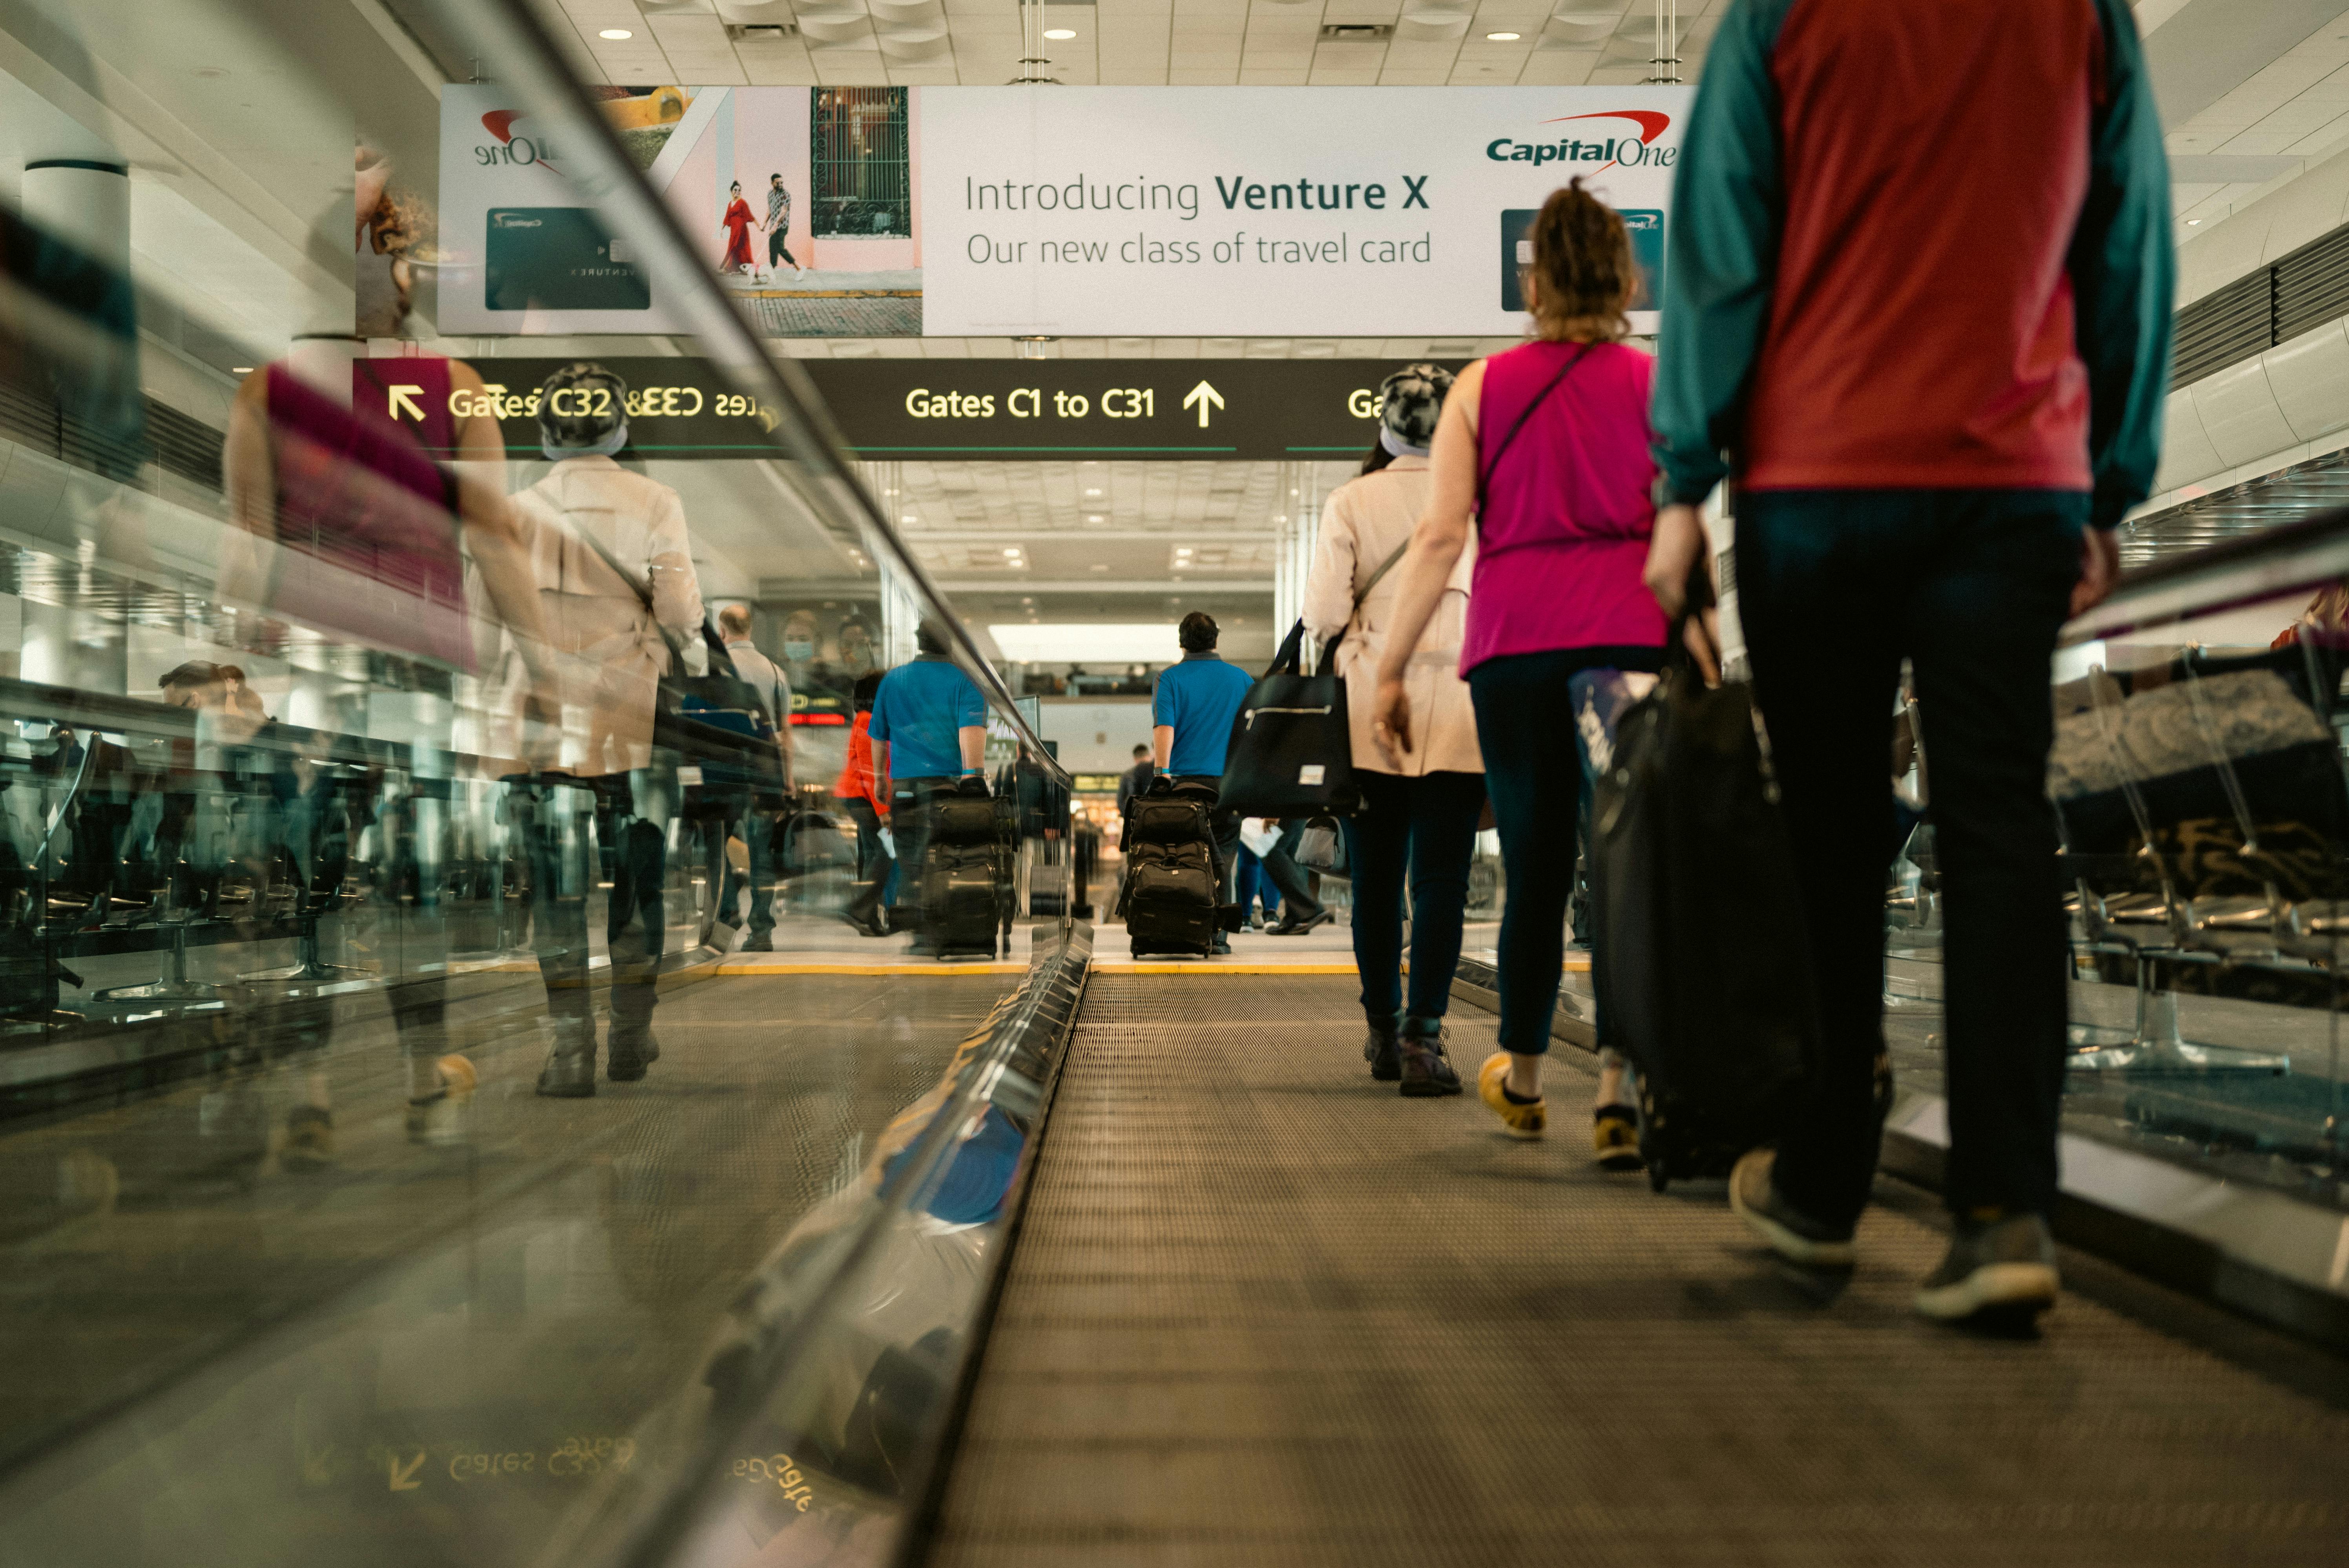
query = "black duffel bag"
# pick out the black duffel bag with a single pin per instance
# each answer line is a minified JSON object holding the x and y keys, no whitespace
{"x":1702,"y":968}
{"x":1292,"y":746}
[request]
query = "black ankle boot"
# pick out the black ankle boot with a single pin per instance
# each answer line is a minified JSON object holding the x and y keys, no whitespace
{"x":1427,"y":1070}
{"x":1381,"y":1050}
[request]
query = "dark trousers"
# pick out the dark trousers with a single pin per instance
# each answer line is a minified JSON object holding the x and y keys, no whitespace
{"x":1537,"y":771}
{"x":1425,"y":827}
{"x":757,"y":832}
{"x":551,"y":815}
{"x":1834,"y":588}
{"x":1297,"y":899}
{"x":1225,"y":825}
{"x":871,"y":860}
{"x":909,"y":825}
{"x":775,"y":247}
{"x":1254,"y":886}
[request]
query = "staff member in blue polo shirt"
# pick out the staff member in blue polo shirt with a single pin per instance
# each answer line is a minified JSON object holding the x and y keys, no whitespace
{"x":1193,"y":707}
{"x":928,"y":730}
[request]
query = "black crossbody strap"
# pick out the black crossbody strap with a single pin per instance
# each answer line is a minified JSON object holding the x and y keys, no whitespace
{"x":1523,"y":415}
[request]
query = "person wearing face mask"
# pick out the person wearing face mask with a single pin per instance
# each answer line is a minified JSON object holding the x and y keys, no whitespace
{"x":799,"y":642}
{"x":608,"y":550}
{"x":856,"y":641}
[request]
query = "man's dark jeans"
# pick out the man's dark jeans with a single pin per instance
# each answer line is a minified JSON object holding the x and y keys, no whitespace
{"x":909,"y":830}
{"x":1426,"y":826}
{"x":1835,"y":587}
{"x":1225,"y":827}
{"x":872,"y":862}
{"x":1297,"y":899}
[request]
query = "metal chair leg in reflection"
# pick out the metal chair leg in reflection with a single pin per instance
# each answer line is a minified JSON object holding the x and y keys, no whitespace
{"x":174,"y":986}
{"x":308,"y":968}
{"x":2154,"y":1044}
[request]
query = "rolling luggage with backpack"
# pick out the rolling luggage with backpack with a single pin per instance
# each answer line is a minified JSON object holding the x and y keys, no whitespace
{"x":961,"y":884}
{"x":1702,"y":973}
{"x":1173,"y":880}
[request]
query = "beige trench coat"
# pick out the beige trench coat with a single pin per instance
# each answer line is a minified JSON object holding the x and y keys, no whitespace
{"x":606,"y":653}
{"x":1365,"y":519}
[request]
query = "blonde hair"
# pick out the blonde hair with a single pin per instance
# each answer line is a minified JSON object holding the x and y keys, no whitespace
{"x":1582,"y":278}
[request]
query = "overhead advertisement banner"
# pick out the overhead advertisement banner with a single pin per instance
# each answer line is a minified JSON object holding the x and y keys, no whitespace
{"x":1070,"y":211}
{"x":1265,"y":211}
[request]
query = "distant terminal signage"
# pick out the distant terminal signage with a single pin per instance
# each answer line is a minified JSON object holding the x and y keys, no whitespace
{"x":1097,"y":784}
{"x":969,"y":409}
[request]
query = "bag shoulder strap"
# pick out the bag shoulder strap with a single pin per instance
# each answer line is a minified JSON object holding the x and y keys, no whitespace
{"x":1385,"y":567}
{"x":643,"y":593}
{"x":1526,"y":413}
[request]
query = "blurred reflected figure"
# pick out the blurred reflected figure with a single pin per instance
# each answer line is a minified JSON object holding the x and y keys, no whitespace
{"x":868,"y":808}
{"x":757,"y":819}
{"x":616,"y":591}
{"x":362,"y":525}
{"x":928,"y":731}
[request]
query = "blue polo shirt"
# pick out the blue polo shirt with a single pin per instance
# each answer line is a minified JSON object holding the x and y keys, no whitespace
{"x":919,"y":711}
{"x":1199,"y":698}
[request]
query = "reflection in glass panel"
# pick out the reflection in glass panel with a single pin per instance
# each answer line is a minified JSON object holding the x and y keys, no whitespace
{"x":460,"y":939}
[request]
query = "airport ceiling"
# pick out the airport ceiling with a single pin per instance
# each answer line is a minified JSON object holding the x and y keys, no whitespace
{"x":230,"y":114}
{"x":1152,"y":43}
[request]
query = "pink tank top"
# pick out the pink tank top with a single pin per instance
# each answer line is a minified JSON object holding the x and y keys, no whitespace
{"x":1562,"y":525}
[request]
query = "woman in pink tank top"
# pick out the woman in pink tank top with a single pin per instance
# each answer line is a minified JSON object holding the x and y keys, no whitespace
{"x":1545,"y":449}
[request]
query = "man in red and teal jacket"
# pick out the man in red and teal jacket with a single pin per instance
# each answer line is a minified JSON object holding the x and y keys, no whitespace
{"x":1916,"y":306}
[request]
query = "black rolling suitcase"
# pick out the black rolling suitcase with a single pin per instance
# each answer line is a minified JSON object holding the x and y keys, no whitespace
{"x":960,"y":887}
{"x":1702,"y":971}
{"x":1172,"y":878}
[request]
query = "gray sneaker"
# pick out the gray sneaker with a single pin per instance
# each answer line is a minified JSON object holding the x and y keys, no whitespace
{"x":1792,"y":1234}
{"x":2003,"y":1271}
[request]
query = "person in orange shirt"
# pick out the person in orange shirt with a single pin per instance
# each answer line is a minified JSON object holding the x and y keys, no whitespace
{"x":855,"y":789}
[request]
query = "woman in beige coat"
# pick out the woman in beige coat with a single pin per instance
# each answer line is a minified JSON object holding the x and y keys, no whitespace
{"x":1420,"y":807}
{"x":608,"y":551}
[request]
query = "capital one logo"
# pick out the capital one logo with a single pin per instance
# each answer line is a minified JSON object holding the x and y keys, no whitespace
{"x":511,"y":149}
{"x":1606,"y":150}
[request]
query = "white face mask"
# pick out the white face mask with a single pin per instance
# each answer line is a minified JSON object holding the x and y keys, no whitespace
{"x":797,"y":650}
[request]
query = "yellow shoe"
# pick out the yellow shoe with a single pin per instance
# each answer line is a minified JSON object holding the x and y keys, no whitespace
{"x":1615,"y":1137}
{"x":1520,"y":1121}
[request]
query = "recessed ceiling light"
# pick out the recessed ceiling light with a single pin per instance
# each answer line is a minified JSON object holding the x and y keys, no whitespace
{"x":1502,"y":37}
{"x":615,"y":33}
{"x":1101,"y":566}
{"x":240,"y":369}
{"x":1092,"y":492}
{"x":1058,"y":33}
{"x":1092,"y":517}
{"x":2191,"y":221}
{"x":1013,"y":550}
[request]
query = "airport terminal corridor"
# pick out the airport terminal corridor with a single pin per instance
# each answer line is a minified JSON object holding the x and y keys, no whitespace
{"x":1174,"y":784}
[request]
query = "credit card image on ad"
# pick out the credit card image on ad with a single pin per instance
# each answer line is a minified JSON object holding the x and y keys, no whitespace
{"x":1647,"y":226}
{"x":558,"y":258}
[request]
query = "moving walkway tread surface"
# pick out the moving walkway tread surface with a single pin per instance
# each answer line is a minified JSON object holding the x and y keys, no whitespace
{"x":240,"y":1363}
{"x":1264,"y":1310}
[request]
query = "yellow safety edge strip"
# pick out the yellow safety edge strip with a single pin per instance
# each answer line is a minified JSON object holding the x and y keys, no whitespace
{"x":928,"y":967}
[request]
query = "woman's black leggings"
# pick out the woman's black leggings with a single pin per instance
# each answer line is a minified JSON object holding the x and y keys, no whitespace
{"x":1427,"y":826}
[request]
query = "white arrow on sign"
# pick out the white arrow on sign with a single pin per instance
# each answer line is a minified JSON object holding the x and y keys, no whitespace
{"x":1204,"y":397}
{"x":403,"y":401}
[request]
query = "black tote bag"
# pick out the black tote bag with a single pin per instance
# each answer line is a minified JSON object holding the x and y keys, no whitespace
{"x":1292,"y":749}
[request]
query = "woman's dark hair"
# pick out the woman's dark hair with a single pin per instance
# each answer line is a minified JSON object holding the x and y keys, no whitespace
{"x":1198,"y":633}
{"x":1582,"y":278}
{"x":735,"y":185}
{"x":1377,"y":457}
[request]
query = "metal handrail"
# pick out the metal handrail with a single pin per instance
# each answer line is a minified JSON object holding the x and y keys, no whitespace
{"x":507,"y":35}
{"x":2301,"y":556}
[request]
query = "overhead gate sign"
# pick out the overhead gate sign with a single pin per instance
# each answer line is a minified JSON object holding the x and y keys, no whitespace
{"x":1070,"y":210}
